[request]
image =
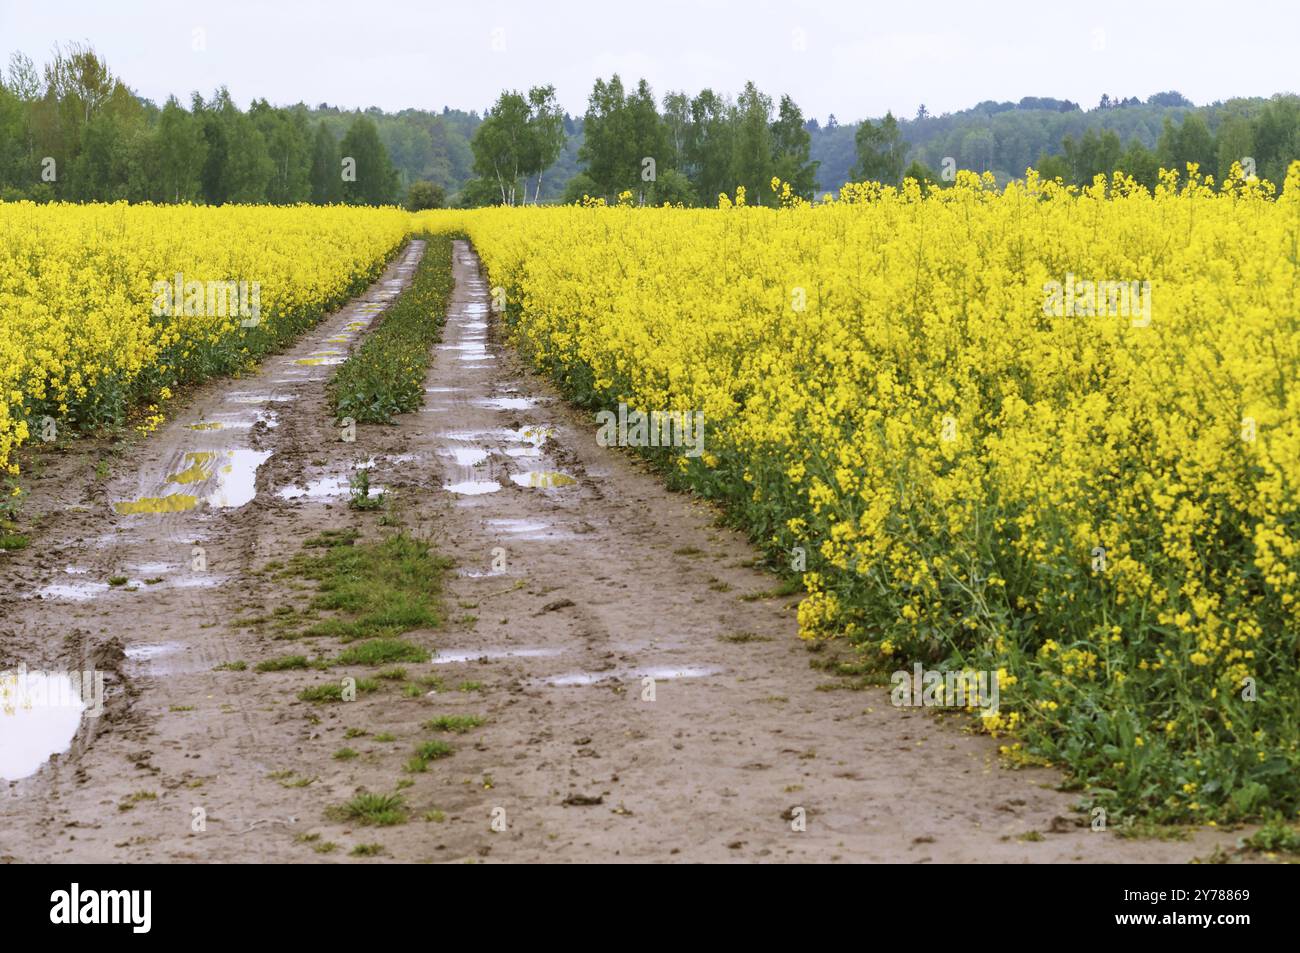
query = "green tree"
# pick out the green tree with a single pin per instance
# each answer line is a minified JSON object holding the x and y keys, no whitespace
{"x":503,"y":144}
{"x":1051,"y":167}
{"x":709,"y":146}
{"x":545,"y":134}
{"x":921,"y":172}
{"x":288,"y":146}
{"x":423,"y":195}
{"x":1141,"y":164}
{"x":182,"y":150}
{"x":373,"y":180}
{"x":1092,"y":155}
{"x":1189,"y":142}
{"x":751,"y":158}
{"x":578,"y":187}
{"x":326,"y":182}
{"x":621,"y":132}
{"x":880,"y":150}
{"x":791,"y":143}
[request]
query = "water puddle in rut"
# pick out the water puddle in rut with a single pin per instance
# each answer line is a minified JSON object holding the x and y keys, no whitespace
{"x":39,"y":715}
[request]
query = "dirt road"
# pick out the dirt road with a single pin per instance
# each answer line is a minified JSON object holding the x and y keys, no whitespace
{"x":643,"y":695}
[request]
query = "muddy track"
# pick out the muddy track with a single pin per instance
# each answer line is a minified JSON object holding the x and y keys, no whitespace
{"x":637,"y":706}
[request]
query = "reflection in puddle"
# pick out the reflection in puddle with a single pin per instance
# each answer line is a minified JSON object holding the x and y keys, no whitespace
{"x":473,"y":487}
{"x":479,"y":573}
{"x":248,"y":397}
{"x":175,"y":503}
{"x":239,"y":422}
{"x":536,"y":436}
{"x":39,"y":715}
{"x":507,"y":403}
{"x":237,"y":477}
{"x":543,"y":479}
{"x":660,"y":673}
{"x":445,"y":658}
{"x":149,"y":652}
{"x":75,"y":591}
{"x":465,"y":456}
{"x":153,"y":569}
{"x":233,"y":471}
{"x":199,"y":469}
{"x":518,"y":526}
{"x":324,"y":487}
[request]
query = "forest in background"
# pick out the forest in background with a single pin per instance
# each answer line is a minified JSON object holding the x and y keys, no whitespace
{"x":72,"y":130}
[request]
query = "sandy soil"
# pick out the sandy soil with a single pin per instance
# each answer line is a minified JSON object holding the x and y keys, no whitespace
{"x":582,"y":588}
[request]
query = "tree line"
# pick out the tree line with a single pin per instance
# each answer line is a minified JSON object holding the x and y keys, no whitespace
{"x":1061,"y":140}
{"x":74,"y":131}
{"x":690,"y":152}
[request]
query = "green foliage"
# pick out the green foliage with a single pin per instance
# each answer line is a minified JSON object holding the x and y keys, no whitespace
{"x":378,"y":590}
{"x":373,"y":180}
{"x":518,"y":140}
{"x":385,"y":375}
{"x":881,"y":151}
{"x":423,"y":195}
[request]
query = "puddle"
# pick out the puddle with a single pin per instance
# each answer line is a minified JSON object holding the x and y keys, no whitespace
{"x":507,"y":403}
{"x":465,"y":456}
{"x":202,"y":581}
{"x":518,"y":526}
{"x":152,"y":569}
{"x":447,"y":658}
{"x":39,"y":715}
{"x":473,"y":487}
{"x":323,"y":488}
{"x":535,"y":436}
{"x":543,"y":479}
{"x":248,"y":397}
{"x":234,"y":421}
{"x":669,"y":672}
{"x":233,"y":471}
{"x":318,"y":361}
{"x":237,"y":477}
{"x":199,"y":468}
{"x":73,"y":591}
{"x":147,"y":653}
{"x":660,"y":673}
{"x":175,"y":503}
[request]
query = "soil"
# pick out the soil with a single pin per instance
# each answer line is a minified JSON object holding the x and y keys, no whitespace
{"x":636,"y":706}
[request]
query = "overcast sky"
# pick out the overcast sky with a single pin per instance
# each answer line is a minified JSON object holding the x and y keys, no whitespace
{"x":855,"y":60}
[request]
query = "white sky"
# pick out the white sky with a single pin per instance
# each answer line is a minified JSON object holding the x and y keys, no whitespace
{"x":856,"y":60}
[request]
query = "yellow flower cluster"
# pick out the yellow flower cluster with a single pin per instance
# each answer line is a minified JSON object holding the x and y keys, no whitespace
{"x":80,"y":339}
{"x":984,"y":418}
